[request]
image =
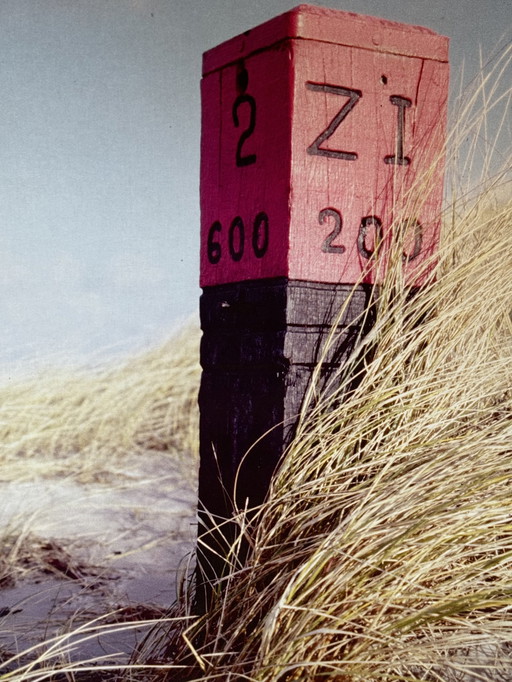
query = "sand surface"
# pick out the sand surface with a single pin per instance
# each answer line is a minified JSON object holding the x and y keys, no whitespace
{"x":89,"y":550}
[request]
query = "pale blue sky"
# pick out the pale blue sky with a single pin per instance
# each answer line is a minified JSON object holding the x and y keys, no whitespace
{"x":99,"y":149}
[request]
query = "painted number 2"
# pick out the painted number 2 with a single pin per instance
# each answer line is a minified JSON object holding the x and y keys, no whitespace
{"x":246,"y":103}
{"x":328,"y":246}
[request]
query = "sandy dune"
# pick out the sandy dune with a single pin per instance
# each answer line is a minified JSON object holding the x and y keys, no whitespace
{"x":90,"y":550}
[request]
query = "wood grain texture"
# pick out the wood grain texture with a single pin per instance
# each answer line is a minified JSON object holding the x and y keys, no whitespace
{"x":310,"y":22}
{"x":276,"y":304}
{"x":230,"y":191}
{"x":313,"y":124}
{"x":261,"y":343}
{"x":368,"y":185}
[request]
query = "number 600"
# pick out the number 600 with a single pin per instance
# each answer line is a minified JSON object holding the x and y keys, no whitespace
{"x":236,"y":239}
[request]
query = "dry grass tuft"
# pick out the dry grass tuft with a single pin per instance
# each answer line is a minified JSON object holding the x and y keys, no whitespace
{"x":83,"y":423}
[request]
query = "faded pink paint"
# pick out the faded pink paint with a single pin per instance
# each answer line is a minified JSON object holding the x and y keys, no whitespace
{"x":284,"y":82}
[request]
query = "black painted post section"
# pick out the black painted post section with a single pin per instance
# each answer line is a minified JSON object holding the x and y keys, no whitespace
{"x":262,"y":339}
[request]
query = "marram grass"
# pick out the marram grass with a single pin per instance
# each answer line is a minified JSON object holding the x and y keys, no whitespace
{"x":384,"y":549}
{"x":83,"y":423}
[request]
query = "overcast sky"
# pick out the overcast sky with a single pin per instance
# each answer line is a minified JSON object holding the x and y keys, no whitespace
{"x":99,"y":129}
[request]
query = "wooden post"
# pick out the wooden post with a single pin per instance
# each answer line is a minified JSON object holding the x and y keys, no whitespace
{"x":314,"y":126}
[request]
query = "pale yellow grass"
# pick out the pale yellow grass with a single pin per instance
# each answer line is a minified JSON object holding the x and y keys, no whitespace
{"x":83,"y":423}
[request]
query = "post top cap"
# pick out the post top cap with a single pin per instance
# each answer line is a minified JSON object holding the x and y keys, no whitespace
{"x":310,"y":22}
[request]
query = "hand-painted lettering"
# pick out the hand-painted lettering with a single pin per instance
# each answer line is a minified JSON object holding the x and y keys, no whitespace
{"x":398,"y":158}
{"x":260,"y":235}
{"x":236,"y":239}
{"x":328,"y":246}
{"x":213,"y":247}
{"x":244,"y":99}
{"x":353,"y":97}
{"x":366,"y":223}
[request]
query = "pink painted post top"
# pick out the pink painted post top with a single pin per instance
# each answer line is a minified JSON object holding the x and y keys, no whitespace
{"x":322,"y":132}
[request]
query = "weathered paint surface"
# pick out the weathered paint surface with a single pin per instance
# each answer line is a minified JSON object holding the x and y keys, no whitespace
{"x":315,"y":127}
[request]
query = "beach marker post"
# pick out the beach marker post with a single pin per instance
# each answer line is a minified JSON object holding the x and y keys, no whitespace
{"x":315,"y":125}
